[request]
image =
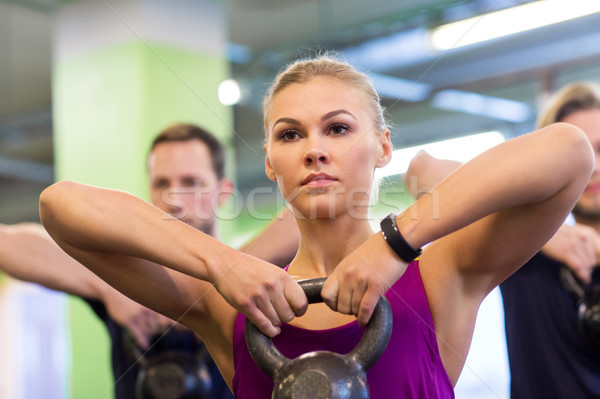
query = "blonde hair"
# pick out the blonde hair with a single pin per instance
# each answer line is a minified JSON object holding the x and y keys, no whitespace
{"x":303,"y":70}
{"x":577,"y":96}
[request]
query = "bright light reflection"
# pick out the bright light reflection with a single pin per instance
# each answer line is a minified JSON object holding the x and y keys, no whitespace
{"x":509,"y":21}
{"x":229,"y":92}
{"x":460,"y":149}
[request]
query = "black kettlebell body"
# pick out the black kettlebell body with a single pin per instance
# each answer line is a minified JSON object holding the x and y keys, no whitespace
{"x":323,"y":374}
{"x":173,"y":375}
{"x":175,"y":367}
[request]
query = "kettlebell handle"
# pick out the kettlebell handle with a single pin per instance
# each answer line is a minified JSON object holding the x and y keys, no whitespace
{"x":371,"y":346}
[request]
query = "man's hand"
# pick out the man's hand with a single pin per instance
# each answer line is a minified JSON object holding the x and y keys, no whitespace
{"x":578,"y":247}
{"x":141,"y":322}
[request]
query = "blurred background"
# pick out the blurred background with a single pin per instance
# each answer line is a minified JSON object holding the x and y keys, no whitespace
{"x":85,"y":85}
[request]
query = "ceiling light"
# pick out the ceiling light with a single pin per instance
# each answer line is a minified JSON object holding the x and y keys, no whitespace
{"x":479,"y":104}
{"x":509,"y":21}
{"x":229,"y":92}
{"x":398,"y":88}
{"x":460,"y":149}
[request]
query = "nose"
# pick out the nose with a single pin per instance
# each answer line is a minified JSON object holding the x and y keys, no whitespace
{"x":174,"y":200}
{"x":316,"y":153}
{"x":597,"y":162}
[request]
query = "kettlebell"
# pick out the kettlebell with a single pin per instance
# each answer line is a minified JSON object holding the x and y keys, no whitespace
{"x":588,"y":308}
{"x":168,"y":370}
{"x":322,"y":374}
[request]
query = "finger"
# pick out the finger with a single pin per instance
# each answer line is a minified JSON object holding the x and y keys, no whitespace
{"x":295,"y":297}
{"x":344,"y":299}
{"x":357,"y":296}
{"x":588,"y":251}
{"x":367,"y":305}
{"x":152,"y":323}
{"x":282,"y":308}
{"x":266,"y":307}
{"x":138,"y":334}
{"x":164,"y":322}
{"x":329,"y":292}
{"x":262,"y":322}
{"x":580,"y":261}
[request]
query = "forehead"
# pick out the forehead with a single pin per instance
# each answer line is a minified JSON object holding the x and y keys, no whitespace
{"x":588,"y":121}
{"x":174,"y":158}
{"x":319,"y":95}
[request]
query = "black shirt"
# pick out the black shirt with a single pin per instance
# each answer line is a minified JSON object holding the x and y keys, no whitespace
{"x":125,"y":368}
{"x":547,"y":356}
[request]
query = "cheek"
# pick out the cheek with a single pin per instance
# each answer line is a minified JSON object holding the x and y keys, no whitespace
{"x":157,"y":198}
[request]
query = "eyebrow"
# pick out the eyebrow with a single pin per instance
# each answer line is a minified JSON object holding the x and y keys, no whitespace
{"x":286,"y":120}
{"x":331,"y":114}
{"x":328,"y":115}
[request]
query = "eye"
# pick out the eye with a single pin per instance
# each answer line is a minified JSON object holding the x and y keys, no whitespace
{"x":160,"y":183}
{"x":289,"y":135}
{"x":192,"y":182}
{"x":338,"y":129}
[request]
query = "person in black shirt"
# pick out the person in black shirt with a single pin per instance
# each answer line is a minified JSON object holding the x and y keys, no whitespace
{"x":551,"y":354}
{"x":187,"y":180}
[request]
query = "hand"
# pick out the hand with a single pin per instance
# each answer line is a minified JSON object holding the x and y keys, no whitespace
{"x":265,"y":293}
{"x":362,"y":278}
{"x":141,"y":322}
{"x":578,"y":247}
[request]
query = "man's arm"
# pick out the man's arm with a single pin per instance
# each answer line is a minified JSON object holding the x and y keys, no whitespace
{"x":29,"y":254}
{"x":425,"y":172}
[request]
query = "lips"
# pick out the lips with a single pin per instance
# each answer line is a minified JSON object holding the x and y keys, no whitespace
{"x":318,"y":180}
{"x":592,"y":188}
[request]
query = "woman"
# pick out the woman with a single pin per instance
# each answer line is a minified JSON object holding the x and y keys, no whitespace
{"x":325,"y":135}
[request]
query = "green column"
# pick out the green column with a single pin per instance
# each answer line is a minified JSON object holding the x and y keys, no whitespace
{"x":122,"y":72}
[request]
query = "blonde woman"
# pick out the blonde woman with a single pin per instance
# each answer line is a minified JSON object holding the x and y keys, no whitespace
{"x":325,"y":136}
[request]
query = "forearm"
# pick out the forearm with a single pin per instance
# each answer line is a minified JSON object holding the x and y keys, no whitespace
{"x":28,"y":253}
{"x":96,"y":219}
{"x":529,"y":169}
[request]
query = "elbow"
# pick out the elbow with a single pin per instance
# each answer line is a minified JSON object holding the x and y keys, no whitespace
{"x":580,"y":151}
{"x":51,"y":200}
{"x":415,"y":167}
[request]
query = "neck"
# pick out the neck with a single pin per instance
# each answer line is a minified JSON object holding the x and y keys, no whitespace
{"x":325,"y":242}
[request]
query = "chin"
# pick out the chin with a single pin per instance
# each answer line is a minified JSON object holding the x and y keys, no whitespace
{"x":587,"y":212}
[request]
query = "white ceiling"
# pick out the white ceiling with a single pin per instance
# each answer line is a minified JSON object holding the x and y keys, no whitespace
{"x":521,"y":68}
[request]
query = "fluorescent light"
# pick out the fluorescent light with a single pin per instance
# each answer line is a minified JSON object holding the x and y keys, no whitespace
{"x":509,"y":21}
{"x":401,"y":89}
{"x":479,"y":104}
{"x":460,"y":149}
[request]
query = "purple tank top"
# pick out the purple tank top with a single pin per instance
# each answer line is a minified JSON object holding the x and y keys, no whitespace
{"x":410,"y":367}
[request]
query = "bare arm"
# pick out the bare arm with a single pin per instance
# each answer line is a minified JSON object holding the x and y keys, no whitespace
{"x":278,"y":242}
{"x":425,"y":172}
{"x":493,"y":213}
{"x":29,"y":254}
{"x":577,"y":246}
{"x":482,"y":222}
{"x":163,"y":263}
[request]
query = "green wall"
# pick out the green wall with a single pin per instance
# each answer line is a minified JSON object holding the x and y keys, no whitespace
{"x":107,"y":107}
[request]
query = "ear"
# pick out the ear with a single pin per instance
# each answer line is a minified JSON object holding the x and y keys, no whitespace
{"x":225,"y":190}
{"x":268,"y":168}
{"x":386,"y":149}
